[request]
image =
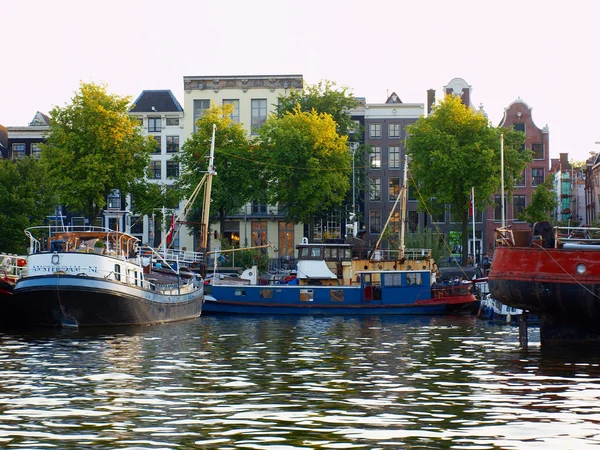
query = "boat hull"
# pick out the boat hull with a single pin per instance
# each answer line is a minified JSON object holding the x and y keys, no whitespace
{"x":72,"y":301}
{"x":561,"y":283}
{"x":327,"y":300}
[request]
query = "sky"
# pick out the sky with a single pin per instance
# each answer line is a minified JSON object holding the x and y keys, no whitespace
{"x":544,"y":52}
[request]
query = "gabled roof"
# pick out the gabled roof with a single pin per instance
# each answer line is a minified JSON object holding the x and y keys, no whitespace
{"x":393,"y":98}
{"x":40,"y":120}
{"x":156,"y":101}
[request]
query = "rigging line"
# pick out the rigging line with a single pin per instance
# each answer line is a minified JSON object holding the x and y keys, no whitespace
{"x":299,"y":168}
{"x":565,"y":270}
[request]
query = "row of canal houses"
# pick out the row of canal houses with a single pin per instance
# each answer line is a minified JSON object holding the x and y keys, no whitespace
{"x":383,"y":130}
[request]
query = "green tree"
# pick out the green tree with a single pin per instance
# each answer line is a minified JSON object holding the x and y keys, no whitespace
{"x":25,"y":201}
{"x":454,"y":149}
{"x":307,"y":164}
{"x":238,"y":177}
{"x":543,"y":203}
{"x":323,"y":97}
{"x":94,"y":147}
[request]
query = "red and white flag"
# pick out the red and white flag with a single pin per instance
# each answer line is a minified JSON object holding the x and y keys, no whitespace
{"x":171,"y":229}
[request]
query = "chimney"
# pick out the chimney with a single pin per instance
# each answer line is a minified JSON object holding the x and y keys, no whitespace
{"x":430,"y":100}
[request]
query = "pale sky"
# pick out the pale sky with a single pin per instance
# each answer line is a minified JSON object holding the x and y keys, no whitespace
{"x":543,"y":51}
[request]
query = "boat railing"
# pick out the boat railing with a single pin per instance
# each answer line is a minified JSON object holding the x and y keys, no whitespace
{"x":183,"y":256}
{"x":412,"y":254}
{"x":587,"y":235}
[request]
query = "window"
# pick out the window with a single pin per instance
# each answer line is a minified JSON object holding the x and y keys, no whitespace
{"x":374,"y":221}
{"x":411,"y":191}
{"x":172,"y":121}
{"x":137,"y":225}
{"x":375,"y":189}
{"x":375,"y":130}
{"x":394,"y":157}
{"x":286,"y":240}
{"x":375,"y":157}
{"x":235,"y":115}
{"x":114,"y":200}
{"x":438,"y":211}
{"x":537,"y":176}
{"x":259,"y":233}
{"x":538,"y":150}
{"x":172,"y":144}
{"x":172,"y":169}
{"x":155,"y":170}
{"x":259,"y":114}
{"x":395,"y":222}
{"x":521,"y":181}
{"x":519,"y":127}
{"x":518,"y":205}
{"x":498,"y":209}
{"x":392,"y":279}
{"x":413,"y":221}
{"x":18,"y":151}
{"x":394,"y":130}
{"x":154,"y":125}
{"x":394,"y":188}
{"x":200,"y":107}
{"x":36,"y":151}
{"x":257,"y":208}
{"x":158,"y":148}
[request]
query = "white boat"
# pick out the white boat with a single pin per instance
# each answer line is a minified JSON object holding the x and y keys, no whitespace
{"x":70,"y":281}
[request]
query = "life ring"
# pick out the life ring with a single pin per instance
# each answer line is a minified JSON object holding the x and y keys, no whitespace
{"x":21,"y":262}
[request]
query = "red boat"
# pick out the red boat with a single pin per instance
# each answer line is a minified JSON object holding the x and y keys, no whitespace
{"x":553,"y":272}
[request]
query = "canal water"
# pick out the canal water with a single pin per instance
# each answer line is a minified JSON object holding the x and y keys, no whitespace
{"x":284,"y":383}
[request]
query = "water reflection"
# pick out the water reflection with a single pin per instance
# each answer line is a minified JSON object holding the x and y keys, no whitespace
{"x":296,"y":383}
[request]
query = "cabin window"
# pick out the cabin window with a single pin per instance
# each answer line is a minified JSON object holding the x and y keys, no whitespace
{"x":304,"y":252}
{"x":239,"y":292}
{"x":414,"y":279}
{"x":392,"y":279}
{"x":135,"y":278}
{"x":306,"y":295}
{"x":266,"y":293}
{"x":336,"y":295}
{"x":118,"y":272}
{"x":315,"y":252}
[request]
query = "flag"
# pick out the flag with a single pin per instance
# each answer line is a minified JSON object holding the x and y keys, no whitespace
{"x":471,"y":212}
{"x":171,"y":229}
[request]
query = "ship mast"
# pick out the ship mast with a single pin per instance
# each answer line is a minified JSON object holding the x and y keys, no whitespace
{"x":207,"y":192}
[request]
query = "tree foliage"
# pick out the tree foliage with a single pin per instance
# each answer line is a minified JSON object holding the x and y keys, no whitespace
{"x":25,"y":201}
{"x":543,"y":203}
{"x":455,"y":148}
{"x":93,"y":148}
{"x":323,"y":97}
{"x":307,"y":163}
{"x":238,"y":177}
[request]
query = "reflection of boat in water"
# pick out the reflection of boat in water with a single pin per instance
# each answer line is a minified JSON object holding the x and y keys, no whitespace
{"x":70,"y":280}
{"x":495,"y":311}
{"x":10,"y":266}
{"x":553,"y":272}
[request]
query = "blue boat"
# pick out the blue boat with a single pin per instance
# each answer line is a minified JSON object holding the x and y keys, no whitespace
{"x":330,"y":281}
